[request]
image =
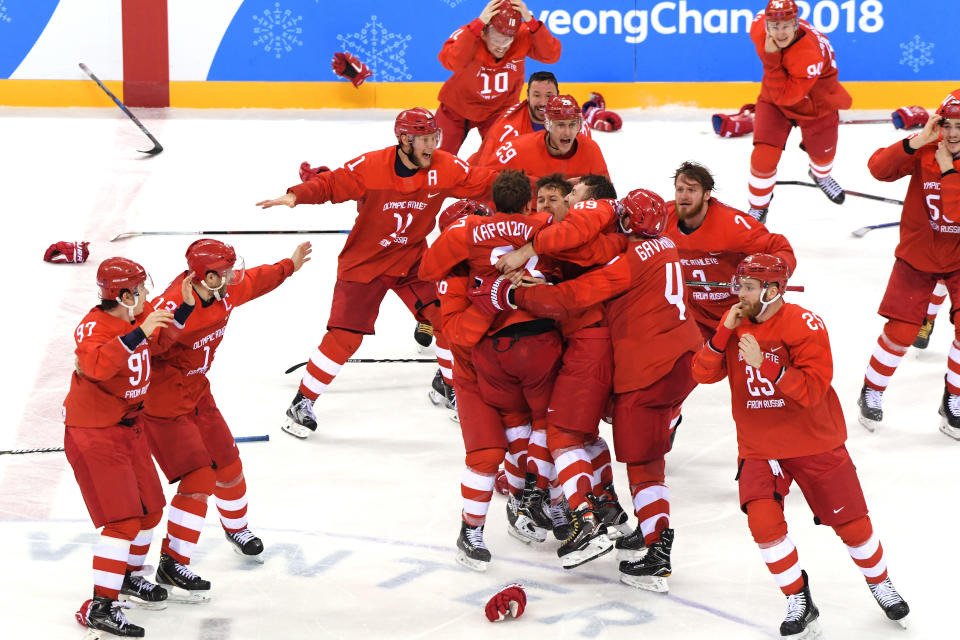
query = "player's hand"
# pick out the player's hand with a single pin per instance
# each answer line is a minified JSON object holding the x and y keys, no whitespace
{"x":288,"y":199}
{"x":301,"y":255}
{"x":734,"y":316}
{"x":750,"y":350}
{"x":943,"y":157}
{"x":530,"y":281}
{"x":521,"y":6}
{"x":76,"y":365}
{"x":515,"y":259}
{"x":157,"y":319}
{"x":929,"y":133}
{"x":770,"y":46}
{"x":492,"y":9}
{"x":186,"y":289}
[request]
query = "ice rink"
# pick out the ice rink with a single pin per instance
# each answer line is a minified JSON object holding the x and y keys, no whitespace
{"x":360,"y":521}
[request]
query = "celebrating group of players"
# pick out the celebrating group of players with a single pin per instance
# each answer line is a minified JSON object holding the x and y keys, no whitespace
{"x":554,"y":305}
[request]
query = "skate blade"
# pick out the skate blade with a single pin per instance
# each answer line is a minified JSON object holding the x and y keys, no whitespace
{"x":471,"y":563}
{"x":657,"y":584}
{"x":525,"y":537}
{"x":296,"y":430}
{"x":183,"y":596}
{"x":868,"y":424}
{"x":97,"y":634}
{"x":425,"y":349}
{"x":631,"y":555}
{"x":140,"y":603}
{"x":455,"y":417}
{"x":594,"y":549}
{"x":947,"y":430}
{"x":617,"y":531}
{"x":436,"y":398}
{"x":812,"y":632}
{"x":257,"y":558}
{"x":902,"y":622}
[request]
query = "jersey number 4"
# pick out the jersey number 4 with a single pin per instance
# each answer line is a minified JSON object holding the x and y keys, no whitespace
{"x":673,"y":292}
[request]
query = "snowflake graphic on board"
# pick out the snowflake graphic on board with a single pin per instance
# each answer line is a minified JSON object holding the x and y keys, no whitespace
{"x":383,"y":51}
{"x":277,"y":30}
{"x":452,"y":3}
{"x":3,"y":13}
{"x":916,"y":53}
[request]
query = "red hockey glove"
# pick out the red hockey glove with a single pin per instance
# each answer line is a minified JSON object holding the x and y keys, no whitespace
{"x":82,"y":613}
{"x":67,"y":252}
{"x":910,"y":117}
{"x":595,"y":100}
{"x":307,"y":172}
{"x":491,"y":295}
{"x":501,"y":484}
{"x":346,"y":65}
{"x":603,"y":120}
{"x":736,"y":125}
{"x":508,"y":602}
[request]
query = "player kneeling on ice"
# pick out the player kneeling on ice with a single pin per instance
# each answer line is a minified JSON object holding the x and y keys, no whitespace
{"x":777,"y":358}
{"x":105,"y":443}
{"x":188,"y":436}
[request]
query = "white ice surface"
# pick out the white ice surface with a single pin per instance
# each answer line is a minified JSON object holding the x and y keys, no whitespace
{"x":360,"y":521}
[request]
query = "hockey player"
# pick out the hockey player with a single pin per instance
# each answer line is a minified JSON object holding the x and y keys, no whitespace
{"x":399,"y":191}
{"x":929,"y":251}
{"x":776,"y":356}
{"x":104,"y":439}
{"x":188,"y":436}
{"x":552,"y":191}
{"x":653,"y":345}
{"x":712,"y":238}
{"x":487,"y":58}
{"x":799,"y":88}
{"x":562,"y":148}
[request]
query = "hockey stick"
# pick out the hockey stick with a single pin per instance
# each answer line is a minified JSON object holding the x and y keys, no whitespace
{"x":369,"y":361}
{"x":55,"y":449}
{"x":862,"y":231}
{"x":868,"y":196}
{"x":133,"y":234}
{"x":700,"y":283}
{"x":157,"y":148}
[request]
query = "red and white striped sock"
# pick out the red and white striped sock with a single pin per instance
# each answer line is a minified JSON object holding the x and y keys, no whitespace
{"x":335,"y":349}
{"x":822,"y":167}
{"x":539,"y":460}
{"x":953,"y":369}
{"x":515,"y":462}
{"x":869,"y":559}
{"x":784,"y":564}
{"x":140,"y":546}
{"x":110,"y":556}
{"x":651,"y":504}
{"x":600,"y":460}
{"x":476,"y":488}
{"x":184,"y":523}
{"x":936,"y":300}
{"x":444,"y":356}
{"x":231,"y":496}
{"x":884,"y":361}
{"x":574,"y":474}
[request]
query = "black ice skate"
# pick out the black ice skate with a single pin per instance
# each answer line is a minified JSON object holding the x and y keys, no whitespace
{"x":171,"y":574}
{"x":104,"y":614}
{"x":829,"y":187}
{"x":890,"y":601}
{"x":520,"y":523}
{"x":442,"y":394}
{"x":923,"y":336}
{"x":588,"y":539}
{"x":559,"y":515}
{"x":301,"y":420}
{"x":760,"y":215}
{"x":613,"y":515}
{"x":423,"y":334}
{"x":631,"y":547}
{"x":950,"y":414}
{"x":651,"y":571}
{"x":871,"y":408}
{"x":246,"y":544}
{"x":142,"y":592}
{"x":801,"y":619}
{"x":472,"y":552}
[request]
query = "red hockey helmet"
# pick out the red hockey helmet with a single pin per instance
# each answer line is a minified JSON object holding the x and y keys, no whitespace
{"x":764,"y":267}
{"x":206,"y":255}
{"x":508,"y":20}
{"x":950,"y":107}
{"x":563,"y":107}
{"x":644,"y":213}
{"x":781,"y":10}
{"x":116,"y":275}
{"x":461,"y":209}
{"x":415,"y":122}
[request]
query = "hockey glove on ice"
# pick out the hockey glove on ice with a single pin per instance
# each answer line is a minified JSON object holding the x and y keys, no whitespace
{"x":307,"y":172}
{"x":910,"y":117}
{"x":346,"y":65}
{"x":508,"y":602}
{"x":739,"y":124}
{"x":595,"y":100}
{"x":67,"y":252}
{"x":491,"y":295}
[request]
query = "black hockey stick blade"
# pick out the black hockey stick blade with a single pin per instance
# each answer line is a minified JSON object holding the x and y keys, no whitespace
{"x":157,"y":148}
{"x":369,"y":361}
{"x":858,"y":194}
{"x":701,"y":283}
{"x":133,"y":234}
{"x":57,"y":449}
{"x":862,"y":231}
